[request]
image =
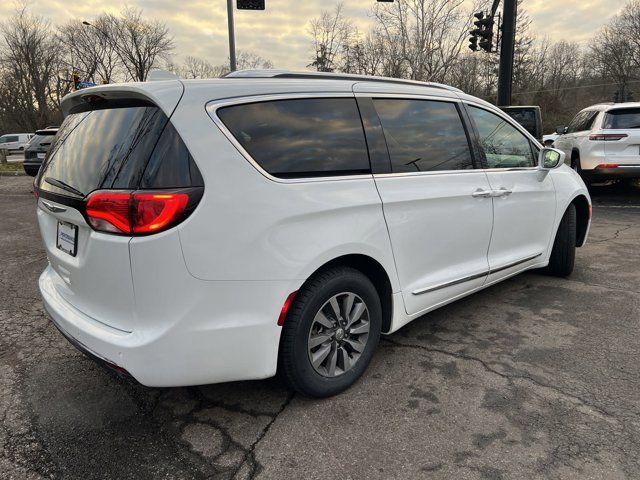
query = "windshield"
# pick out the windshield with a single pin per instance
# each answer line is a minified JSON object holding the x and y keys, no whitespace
{"x":622,"y":119}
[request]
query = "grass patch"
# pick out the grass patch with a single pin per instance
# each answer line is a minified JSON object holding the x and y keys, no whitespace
{"x":11,"y":167}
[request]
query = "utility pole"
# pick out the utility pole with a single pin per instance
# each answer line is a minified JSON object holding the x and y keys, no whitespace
{"x":505,"y":76}
{"x":232,"y":36}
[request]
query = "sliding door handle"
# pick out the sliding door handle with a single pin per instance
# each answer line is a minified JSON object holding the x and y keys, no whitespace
{"x":480,"y":193}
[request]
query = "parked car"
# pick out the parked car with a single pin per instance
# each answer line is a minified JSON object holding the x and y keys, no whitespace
{"x":603,"y":141}
{"x":210,"y":231}
{"x":14,"y":141}
{"x":549,"y":139}
{"x":530,"y":117}
{"x":36,"y":150}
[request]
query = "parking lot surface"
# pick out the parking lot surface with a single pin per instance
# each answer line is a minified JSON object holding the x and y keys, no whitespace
{"x":536,"y":377}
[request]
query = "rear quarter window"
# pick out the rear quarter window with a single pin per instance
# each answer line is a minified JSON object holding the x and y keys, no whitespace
{"x":297,"y":138}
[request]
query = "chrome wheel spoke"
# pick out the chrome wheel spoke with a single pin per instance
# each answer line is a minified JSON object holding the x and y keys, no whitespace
{"x":363,"y":327}
{"x":345,"y":359}
{"x":322,"y":319}
{"x":318,"y":339}
{"x":333,"y":360}
{"x":357,"y":346}
{"x":335,"y":307}
{"x":347,"y":305}
{"x":358,"y":310}
{"x":319,"y":355}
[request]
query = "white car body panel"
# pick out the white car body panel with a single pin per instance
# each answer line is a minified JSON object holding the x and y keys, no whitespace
{"x":624,"y":152}
{"x":199,"y":302}
{"x":18,"y":141}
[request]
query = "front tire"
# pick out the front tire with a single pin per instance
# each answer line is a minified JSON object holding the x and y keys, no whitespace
{"x":331,"y":332}
{"x":563,"y":253}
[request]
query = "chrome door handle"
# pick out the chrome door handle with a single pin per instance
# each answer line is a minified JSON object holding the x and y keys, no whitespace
{"x":501,"y":192}
{"x":480,"y":193}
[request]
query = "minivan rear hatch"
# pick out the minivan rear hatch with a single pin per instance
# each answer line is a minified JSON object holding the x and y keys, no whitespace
{"x":114,"y":140}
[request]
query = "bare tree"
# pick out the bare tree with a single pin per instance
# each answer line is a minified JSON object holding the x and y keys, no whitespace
{"x":29,"y":59}
{"x":138,"y":43}
{"x":331,"y":33}
{"x":195,"y":67}
{"x":88,"y":50}
{"x":613,"y":54}
{"x":429,"y":35}
{"x":249,"y":60}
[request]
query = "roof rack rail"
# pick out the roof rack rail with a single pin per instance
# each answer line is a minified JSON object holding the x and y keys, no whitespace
{"x":333,"y":76}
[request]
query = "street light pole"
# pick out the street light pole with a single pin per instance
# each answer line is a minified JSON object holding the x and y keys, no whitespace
{"x":232,"y":36}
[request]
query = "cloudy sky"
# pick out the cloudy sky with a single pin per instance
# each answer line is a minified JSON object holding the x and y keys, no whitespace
{"x":280,"y":32}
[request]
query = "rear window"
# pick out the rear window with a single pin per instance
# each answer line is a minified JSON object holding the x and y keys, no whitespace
{"x":41,"y":140}
{"x":301,"y":137}
{"x":622,"y":119}
{"x":115,"y":148}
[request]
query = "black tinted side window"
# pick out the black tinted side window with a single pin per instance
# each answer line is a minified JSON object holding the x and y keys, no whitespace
{"x":582,"y":121}
{"x":307,"y":137}
{"x":423,"y":135}
{"x":171,"y":165}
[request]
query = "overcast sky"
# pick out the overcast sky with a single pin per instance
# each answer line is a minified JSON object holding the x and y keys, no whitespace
{"x":280,"y":33}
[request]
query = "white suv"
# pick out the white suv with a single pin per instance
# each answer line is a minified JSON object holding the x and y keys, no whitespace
{"x":212,"y":230}
{"x":603,"y":141}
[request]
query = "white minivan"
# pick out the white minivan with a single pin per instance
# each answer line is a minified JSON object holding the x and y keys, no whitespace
{"x":203,"y":231}
{"x":14,"y":141}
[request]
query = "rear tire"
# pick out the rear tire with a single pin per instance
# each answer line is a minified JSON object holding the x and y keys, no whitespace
{"x":312,"y":331}
{"x":563,"y":253}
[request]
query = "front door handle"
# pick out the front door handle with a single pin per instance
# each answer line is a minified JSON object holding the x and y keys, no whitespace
{"x":480,"y":193}
{"x":501,"y":192}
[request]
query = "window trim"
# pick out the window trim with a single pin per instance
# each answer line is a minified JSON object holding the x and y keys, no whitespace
{"x":533,"y":142}
{"x":471,"y":137}
{"x":213,"y":106}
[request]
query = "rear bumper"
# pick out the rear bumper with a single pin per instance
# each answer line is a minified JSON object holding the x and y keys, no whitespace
{"x":623,"y":171}
{"x":211,"y":343}
{"x":31,"y":168}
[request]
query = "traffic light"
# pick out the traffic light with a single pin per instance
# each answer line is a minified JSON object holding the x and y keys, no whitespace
{"x":250,"y":4}
{"x":76,"y":81}
{"x":484,"y":31}
{"x":473,"y":43}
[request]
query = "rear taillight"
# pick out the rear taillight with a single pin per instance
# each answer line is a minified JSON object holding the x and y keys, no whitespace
{"x":608,"y":165}
{"x":607,"y":137}
{"x":135,"y":212}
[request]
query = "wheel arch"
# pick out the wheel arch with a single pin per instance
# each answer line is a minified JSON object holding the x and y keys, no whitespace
{"x":373,"y":270}
{"x":583,"y":216}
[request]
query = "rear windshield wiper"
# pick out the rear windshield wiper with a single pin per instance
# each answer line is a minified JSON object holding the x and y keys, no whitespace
{"x":63,"y":186}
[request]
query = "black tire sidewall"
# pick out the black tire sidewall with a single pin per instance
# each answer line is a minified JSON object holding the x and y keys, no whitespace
{"x":306,"y":378}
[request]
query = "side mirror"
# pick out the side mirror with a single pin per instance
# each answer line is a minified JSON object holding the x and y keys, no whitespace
{"x":550,"y":158}
{"x":561,"y":129}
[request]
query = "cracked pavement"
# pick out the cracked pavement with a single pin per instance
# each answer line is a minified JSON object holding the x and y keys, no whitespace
{"x":536,"y":377}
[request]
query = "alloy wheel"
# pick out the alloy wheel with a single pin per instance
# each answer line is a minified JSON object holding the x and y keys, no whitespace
{"x":338,"y":334}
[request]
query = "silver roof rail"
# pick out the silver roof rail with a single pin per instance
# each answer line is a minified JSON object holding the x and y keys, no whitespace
{"x":334,"y":76}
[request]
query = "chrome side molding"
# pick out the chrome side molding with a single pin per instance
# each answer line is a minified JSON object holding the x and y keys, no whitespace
{"x":474,"y":276}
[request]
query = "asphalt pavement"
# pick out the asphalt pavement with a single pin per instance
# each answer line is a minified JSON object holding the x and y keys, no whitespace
{"x":536,"y":377}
